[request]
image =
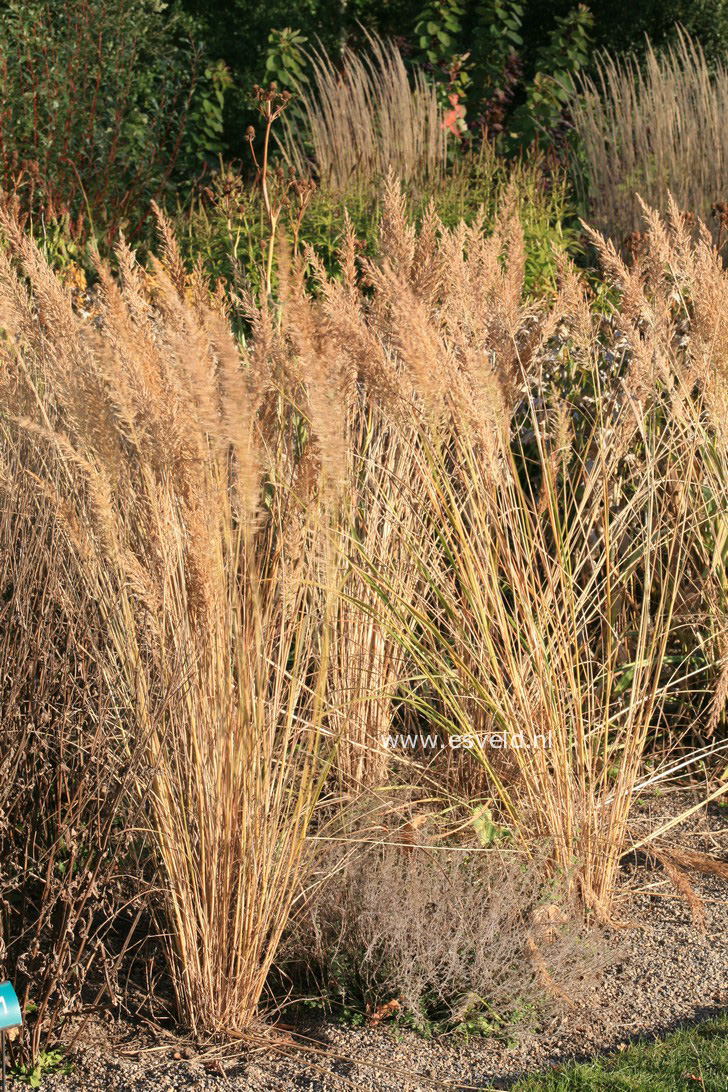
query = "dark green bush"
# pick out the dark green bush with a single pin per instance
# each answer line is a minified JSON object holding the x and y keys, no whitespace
{"x":96,"y":101}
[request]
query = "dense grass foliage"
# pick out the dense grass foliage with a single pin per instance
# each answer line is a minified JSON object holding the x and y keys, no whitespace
{"x":358,"y":438}
{"x":373,"y":510}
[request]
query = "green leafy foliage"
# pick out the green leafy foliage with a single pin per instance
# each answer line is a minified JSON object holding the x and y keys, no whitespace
{"x":497,"y":36}
{"x":46,"y":1062}
{"x":488,"y":832}
{"x":623,"y":25}
{"x":286,"y":61}
{"x":489,"y":74}
{"x":438,"y":29}
{"x":95,"y":105}
{"x":438,"y":32}
{"x":557,"y":62}
{"x":497,"y":42}
{"x":204,"y":134}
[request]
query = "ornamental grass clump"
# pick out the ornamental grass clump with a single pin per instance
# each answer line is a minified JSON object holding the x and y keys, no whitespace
{"x":652,"y":129}
{"x":159,"y":447}
{"x":364,"y":116}
{"x":381,"y":506}
{"x":565,"y":561}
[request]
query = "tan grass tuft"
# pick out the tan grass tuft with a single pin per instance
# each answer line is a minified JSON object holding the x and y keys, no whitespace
{"x":367,"y":117}
{"x":147,"y":440}
{"x":652,"y":130}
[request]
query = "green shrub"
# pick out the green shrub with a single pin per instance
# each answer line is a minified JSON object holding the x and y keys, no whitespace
{"x":96,"y":101}
{"x":496,"y":44}
{"x":558,"y":62}
{"x":286,"y":60}
{"x":623,"y":26}
{"x":438,"y":31}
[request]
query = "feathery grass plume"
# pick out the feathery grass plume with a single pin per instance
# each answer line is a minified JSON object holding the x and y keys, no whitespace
{"x":652,"y":130}
{"x":346,"y":392}
{"x":366,"y":117}
{"x":676,"y":326}
{"x":146,"y":440}
{"x":553,"y":610}
{"x":413,"y":345}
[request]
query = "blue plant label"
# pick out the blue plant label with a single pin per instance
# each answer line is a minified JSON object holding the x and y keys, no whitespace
{"x":9,"y":1007}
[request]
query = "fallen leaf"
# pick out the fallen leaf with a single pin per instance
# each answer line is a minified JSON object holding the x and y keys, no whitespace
{"x":382,"y":1012}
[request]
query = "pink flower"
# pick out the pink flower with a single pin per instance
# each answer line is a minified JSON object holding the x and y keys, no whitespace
{"x":454,"y":118}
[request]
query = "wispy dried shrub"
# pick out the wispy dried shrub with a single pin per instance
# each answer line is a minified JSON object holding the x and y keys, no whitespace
{"x":445,"y":934}
{"x":366,"y":116}
{"x":653,"y":130}
{"x":65,"y":823}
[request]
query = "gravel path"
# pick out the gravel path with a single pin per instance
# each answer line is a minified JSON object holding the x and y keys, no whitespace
{"x":668,"y":970}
